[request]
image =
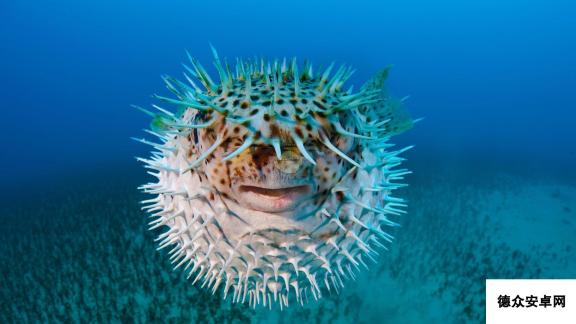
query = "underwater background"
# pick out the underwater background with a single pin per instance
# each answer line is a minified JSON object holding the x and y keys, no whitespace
{"x":493,"y":194}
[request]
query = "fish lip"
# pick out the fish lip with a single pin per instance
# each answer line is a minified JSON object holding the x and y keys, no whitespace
{"x":273,"y":199}
{"x":271,"y":183}
{"x":275,"y":191}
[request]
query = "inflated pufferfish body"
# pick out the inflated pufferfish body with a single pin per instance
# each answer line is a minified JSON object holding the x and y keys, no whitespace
{"x":274,"y":184}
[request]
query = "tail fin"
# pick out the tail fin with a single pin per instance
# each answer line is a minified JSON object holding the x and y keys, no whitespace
{"x":388,"y":108}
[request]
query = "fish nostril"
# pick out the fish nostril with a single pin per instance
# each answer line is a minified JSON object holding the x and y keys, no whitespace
{"x":290,"y":162}
{"x":262,"y":154}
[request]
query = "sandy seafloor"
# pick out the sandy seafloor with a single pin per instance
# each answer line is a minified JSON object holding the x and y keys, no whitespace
{"x":79,"y":251}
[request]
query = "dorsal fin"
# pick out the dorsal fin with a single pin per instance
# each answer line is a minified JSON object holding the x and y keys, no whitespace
{"x":389,"y":107}
{"x":378,"y":80}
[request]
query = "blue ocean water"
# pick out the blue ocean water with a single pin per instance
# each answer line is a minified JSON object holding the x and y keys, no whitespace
{"x":494,"y":81}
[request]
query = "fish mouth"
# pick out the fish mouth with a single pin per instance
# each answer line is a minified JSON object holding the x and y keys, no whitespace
{"x":273,"y":199}
{"x":275,"y":192}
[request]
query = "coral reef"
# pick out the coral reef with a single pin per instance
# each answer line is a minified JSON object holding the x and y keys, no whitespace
{"x":84,"y":254}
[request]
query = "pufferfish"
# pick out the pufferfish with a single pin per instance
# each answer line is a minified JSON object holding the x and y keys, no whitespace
{"x":274,"y":184}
